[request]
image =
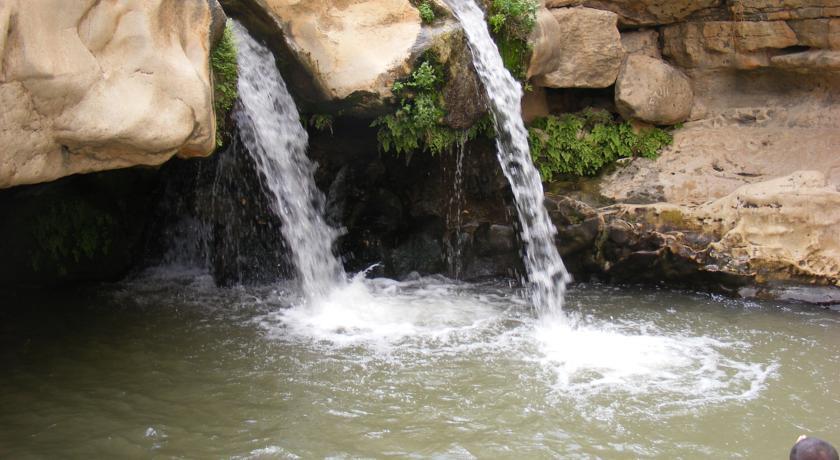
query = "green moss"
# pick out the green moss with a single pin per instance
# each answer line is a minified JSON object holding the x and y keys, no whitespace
{"x":225,"y":76}
{"x":427,"y":13}
{"x":582,"y":144}
{"x":321,"y":122}
{"x":418,"y":122}
{"x":511,"y":21}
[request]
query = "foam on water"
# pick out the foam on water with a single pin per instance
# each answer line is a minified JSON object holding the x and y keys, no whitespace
{"x":417,"y":321}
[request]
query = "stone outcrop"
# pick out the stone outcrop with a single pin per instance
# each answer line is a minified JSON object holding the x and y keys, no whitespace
{"x":645,"y":12}
{"x":651,"y":90}
{"x":778,"y":231}
{"x":575,"y":48}
{"x":644,"y":42}
{"x":349,"y":50}
{"x":88,"y":86}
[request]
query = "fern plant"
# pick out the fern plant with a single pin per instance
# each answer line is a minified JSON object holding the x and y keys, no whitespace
{"x":583,"y":143}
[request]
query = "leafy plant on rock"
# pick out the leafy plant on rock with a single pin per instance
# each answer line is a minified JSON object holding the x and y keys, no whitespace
{"x":225,"y":75}
{"x":427,"y":13}
{"x":583,"y":143}
{"x":418,"y":122}
{"x":511,"y":21}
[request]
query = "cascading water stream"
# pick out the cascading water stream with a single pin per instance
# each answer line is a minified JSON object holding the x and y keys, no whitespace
{"x":547,"y":274}
{"x":270,"y":128}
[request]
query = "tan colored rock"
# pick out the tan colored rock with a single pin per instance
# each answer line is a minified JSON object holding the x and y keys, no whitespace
{"x":757,"y":126}
{"x":782,"y":230}
{"x":644,"y":42}
{"x":534,"y":104}
{"x":653,"y":91}
{"x":771,"y":10}
{"x":88,"y":85}
{"x":580,"y":48}
{"x":649,"y":12}
{"x":742,"y":45}
{"x":817,"y":33}
{"x":808,"y":61}
{"x":349,"y":47}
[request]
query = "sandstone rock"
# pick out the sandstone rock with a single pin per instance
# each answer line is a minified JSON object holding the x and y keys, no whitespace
{"x":348,"y":49}
{"x":89,"y":86}
{"x":717,"y":44}
{"x":651,"y":90}
{"x":575,"y":48}
{"x":645,"y":12}
{"x":534,"y":104}
{"x":808,"y":61}
{"x":783,"y":230}
{"x":644,"y":42}
{"x":771,"y":10}
{"x":817,"y":33}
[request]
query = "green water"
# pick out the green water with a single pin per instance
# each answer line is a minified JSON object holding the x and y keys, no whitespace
{"x":426,"y":369}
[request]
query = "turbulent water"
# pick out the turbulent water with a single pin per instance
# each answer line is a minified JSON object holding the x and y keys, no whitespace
{"x":546,"y":272}
{"x":171,"y":366}
{"x":270,"y":127}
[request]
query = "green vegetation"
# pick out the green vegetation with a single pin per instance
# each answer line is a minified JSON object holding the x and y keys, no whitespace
{"x":321,"y":122}
{"x":427,"y":13}
{"x":70,"y":231}
{"x":584,"y":142}
{"x":225,"y":75}
{"x":511,"y":21}
{"x":418,"y":123}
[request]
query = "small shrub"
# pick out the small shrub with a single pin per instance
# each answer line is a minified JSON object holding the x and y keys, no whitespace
{"x":427,"y":13}
{"x":418,"y":122}
{"x":511,"y":21}
{"x":225,"y":75}
{"x":583,"y":143}
{"x":321,"y":122}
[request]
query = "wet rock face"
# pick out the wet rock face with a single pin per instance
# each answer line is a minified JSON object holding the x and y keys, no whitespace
{"x":89,"y":86}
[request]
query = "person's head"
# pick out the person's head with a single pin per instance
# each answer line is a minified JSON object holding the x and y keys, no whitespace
{"x":812,"y":449}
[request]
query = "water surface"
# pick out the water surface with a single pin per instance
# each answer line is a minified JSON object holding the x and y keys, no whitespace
{"x":172,"y":366}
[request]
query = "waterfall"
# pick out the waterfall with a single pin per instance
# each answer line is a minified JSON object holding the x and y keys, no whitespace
{"x":546,"y":272}
{"x":270,"y":128}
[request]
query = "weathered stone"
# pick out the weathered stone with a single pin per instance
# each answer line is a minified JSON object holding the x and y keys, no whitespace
{"x":779,"y":230}
{"x":808,"y":61}
{"x":742,"y":45}
{"x":645,"y":12}
{"x":651,"y":90}
{"x":88,"y":86}
{"x":770,"y":10}
{"x":644,"y":42}
{"x":817,"y":33}
{"x":349,"y":49}
{"x":534,"y":104}
{"x":575,"y":48}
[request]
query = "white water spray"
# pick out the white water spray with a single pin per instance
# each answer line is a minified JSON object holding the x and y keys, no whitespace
{"x":546,"y":272}
{"x":270,"y":127}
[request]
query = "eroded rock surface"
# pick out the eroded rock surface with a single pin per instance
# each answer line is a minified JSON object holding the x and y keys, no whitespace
{"x":349,"y":48}
{"x":88,"y":85}
{"x":651,"y":90}
{"x":575,"y":48}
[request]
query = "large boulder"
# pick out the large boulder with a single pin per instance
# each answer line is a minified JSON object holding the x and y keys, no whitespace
{"x":575,"y":48}
{"x":653,"y":91}
{"x":88,"y":86}
{"x":784,"y":9}
{"x":348,"y":50}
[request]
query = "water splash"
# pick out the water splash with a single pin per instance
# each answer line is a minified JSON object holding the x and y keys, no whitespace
{"x":270,"y":127}
{"x":546,"y":272}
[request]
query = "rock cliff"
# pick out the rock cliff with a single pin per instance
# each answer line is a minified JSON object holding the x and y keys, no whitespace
{"x":88,"y":85}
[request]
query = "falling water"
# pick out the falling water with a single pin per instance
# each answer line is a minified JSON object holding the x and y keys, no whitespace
{"x":545,"y":268}
{"x":270,"y":128}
